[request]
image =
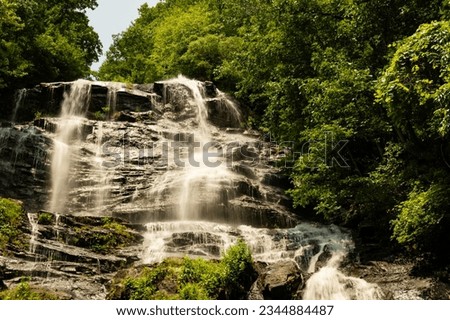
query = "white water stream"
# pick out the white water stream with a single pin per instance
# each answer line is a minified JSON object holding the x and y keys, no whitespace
{"x":73,"y":110}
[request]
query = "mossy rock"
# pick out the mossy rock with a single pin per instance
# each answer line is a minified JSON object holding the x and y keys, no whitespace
{"x":103,"y":237}
{"x":46,"y":218}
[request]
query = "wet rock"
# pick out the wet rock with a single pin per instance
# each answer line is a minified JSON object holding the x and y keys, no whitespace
{"x":255,"y":292}
{"x":134,"y":102}
{"x":2,"y":277}
{"x":241,"y":153}
{"x":219,"y":114}
{"x":280,"y":281}
{"x":46,"y":124}
{"x":123,"y":168}
{"x":125,"y":117}
{"x":277,"y":180}
{"x":246,"y":188}
{"x":210,"y":89}
{"x":24,"y":165}
{"x":244,"y":170}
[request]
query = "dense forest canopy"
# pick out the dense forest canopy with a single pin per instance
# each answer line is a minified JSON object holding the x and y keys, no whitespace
{"x":45,"y":40}
{"x":316,"y":72}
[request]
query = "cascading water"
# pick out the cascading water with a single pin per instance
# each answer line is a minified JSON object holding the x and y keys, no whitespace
{"x":113,"y":88}
{"x":331,"y":284}
{"x":34,"y":231}
{"x":19,"y":100}
{"x":196,"y":186}
{"x":199,"y":184}
{"x":73,"y":110}
{"x":103,"y":175}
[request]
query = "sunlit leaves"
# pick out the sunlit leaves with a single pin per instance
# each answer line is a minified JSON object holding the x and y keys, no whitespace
{"x":45,"y":41}
{"x":414,"y":88}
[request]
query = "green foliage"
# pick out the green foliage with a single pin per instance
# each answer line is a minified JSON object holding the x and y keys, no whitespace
{"x":45,"y":218}
{"x":193,"y":291}
{"x":423,"y":221}
{"x":194,"y":279}
{"x":23,"y":291}
{"x":145,"y":287}
{"x":237,"y":260}
{"x":110,"y":235}
{"x":171,"y":38}
{"x":415,"y":86}
{"x":45,"y":41}
{"x":11,"y":218}
{"x":210,"y":276}
{"x":37,"y":115}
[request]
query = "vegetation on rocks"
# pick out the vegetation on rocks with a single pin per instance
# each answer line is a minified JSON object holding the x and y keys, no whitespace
{"x":24,"y":291}
{"x":45,"y":218}
{"x":190,"y":279}
{"x":12,"y":217}
{"x":110,"y":234}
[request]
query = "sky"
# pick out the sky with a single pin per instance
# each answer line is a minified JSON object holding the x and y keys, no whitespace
{"x":112,"y":17}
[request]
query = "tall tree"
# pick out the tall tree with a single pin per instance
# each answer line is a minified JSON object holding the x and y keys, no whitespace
{"x":46,"y":41}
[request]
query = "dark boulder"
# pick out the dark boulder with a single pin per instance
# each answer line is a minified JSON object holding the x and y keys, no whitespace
{"x":281,"y":280}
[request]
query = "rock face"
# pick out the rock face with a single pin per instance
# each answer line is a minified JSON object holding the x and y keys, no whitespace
{"x":277,"y":281}
{"x":46,"y":99}
{"x":129,"y":167}
{"x":72,"y":256}
{"x":398,"y":280}
{"x":281,"y":280}
{"x":24,"y":164}
{"x":146,"y":154}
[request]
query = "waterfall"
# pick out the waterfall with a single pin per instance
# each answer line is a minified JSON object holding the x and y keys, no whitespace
{"x":198,"y":92}
{"x":196,"y":185}
{"x":103,"y":175}
{"x":73,"y":109}
{"x":331,"y":284}
{"x":20,"y":96}
{"x":111,"y":97}
{"x":198,"y":180}
{"x":32,"y":218}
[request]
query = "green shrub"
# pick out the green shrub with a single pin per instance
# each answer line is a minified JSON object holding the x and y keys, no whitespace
{"x":239,"y":272}
{"x":193,"y":291}
{"x":45,"y":218}
{"x":210,"y":275}
{"x":145,"y":287}
{"x":11,"y":217}
{"x":192,"y":279}
{"x":420,"y":218}
{"x":37,"y":115}
{"x":25,"y":292}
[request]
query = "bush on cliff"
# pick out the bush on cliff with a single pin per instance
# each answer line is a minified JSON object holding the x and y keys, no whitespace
{"x":11,"y":217}
{"x":191,"y":279}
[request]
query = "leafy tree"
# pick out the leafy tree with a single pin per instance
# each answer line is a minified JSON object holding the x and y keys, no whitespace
{"x":46,"y":41}
{"x":414,"y":90}
{"x":415,"y":86}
